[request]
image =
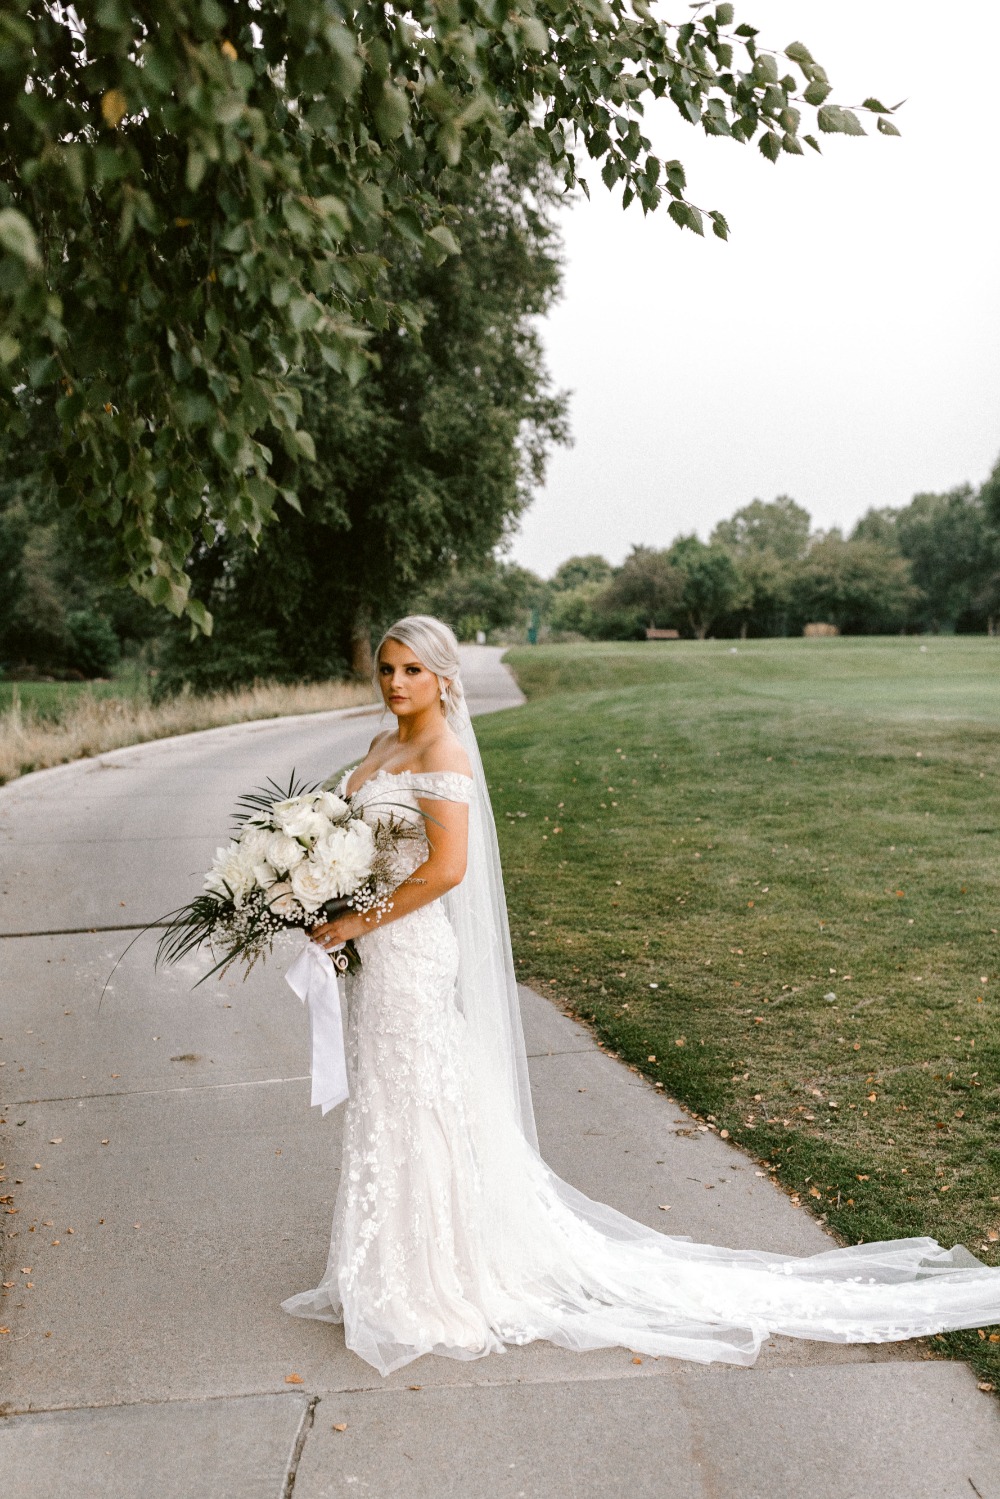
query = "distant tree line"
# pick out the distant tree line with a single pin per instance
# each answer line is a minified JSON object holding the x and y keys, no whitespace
{"x":932,"y":565}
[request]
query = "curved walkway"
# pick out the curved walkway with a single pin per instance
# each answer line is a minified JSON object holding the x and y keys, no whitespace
{"x":166,"y":1185}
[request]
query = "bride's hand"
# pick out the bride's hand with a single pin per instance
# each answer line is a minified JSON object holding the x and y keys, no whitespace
{"x":329,"y":934}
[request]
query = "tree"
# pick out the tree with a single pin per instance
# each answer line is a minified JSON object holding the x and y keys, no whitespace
{"x":645,"y":591}
{"x":862,"y":587}
{"x":766,"y":539}
{"x":954,"y":555}
{"x":198,"y":199}
{"x":711,"y":583}
{"x":421,"y":470}
{"x":575,"y":571}
{"x":778,"y":527}
{"x":496,"y":596}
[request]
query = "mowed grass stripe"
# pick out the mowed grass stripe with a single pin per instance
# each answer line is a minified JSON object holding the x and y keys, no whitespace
{"x":752,"y":833}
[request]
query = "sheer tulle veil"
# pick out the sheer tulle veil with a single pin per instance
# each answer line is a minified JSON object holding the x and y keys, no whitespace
{"x":477,"y":909}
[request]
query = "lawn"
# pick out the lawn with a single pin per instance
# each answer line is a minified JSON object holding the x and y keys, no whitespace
{"x":50,"y":700}
{"x":767,"y":875}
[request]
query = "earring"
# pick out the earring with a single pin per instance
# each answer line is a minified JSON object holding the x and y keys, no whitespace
{"x":442,"y":695}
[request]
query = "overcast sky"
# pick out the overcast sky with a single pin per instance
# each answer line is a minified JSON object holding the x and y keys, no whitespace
{"x":841,"y":348}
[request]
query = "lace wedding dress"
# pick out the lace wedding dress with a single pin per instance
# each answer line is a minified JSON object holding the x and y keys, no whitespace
{"x":452,"y":1236}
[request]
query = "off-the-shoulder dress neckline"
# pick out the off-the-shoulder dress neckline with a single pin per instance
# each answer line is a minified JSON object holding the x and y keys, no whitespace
{"x":395,"y":775}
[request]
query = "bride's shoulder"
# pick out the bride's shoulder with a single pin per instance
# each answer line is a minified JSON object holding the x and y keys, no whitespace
{"x":445,"y":754}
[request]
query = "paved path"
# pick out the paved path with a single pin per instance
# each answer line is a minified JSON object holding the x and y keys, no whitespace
{"x":170,"y":1185}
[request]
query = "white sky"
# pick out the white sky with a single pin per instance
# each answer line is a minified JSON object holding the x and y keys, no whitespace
{"x":842,"y":348}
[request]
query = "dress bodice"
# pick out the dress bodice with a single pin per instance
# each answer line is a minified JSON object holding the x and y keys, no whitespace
{"x":390,"y":794}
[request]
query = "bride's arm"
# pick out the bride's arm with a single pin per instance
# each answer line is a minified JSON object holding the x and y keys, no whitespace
{"x":442,"y":870}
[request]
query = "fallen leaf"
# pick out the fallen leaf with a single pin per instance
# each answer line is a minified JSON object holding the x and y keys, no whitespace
{"x":57,"y":1141}
{"x":293,"y":1379}
{"x":637,"y":1361}
{"x":340,"y":1426}
{"x":664,"y":1207}
{"x":416,"y":1386}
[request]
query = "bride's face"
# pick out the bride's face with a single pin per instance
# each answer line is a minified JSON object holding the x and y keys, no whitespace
{"x":407,"y":685}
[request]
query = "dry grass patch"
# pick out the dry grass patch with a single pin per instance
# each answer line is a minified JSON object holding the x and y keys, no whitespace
{"x":89,"y":725}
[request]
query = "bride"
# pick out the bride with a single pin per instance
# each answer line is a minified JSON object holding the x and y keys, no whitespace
{"x":450,"y":1233}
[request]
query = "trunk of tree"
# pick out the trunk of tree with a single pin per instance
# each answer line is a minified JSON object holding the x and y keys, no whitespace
{"x":743,"y":630}
{"x":361,"y":644}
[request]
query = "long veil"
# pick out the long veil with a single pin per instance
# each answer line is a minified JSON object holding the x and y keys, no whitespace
{"x":487,"y":987}
{"x":555,"y":1264}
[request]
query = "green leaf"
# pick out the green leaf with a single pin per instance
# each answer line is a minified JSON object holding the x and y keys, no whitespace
{"x":817,"y":91}
{"x":18,"y":238}
{"x":875,"y":107}
{"x":770,"y":145}
{"x":811,"y":140}
{"x":791,"y":143}
{"x":199,"y":615}
{"x":798,"y":52}
{"x":536,"y":37}
{"x":443,"y":236}
{"x":720,"y":228}
{"x":305,"y":444}
{"x":391,"y":112}
{"x":837,"y":121}
{"x":724,"y":15}
{"x":886,"y":127}
{"x":686,"y":215}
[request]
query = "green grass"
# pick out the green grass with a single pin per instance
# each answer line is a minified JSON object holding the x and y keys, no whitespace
{"x":702,"y":846}
{"x":50,"y":700}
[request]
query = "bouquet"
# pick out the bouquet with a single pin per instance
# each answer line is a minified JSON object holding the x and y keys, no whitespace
{"x":299,"y":855}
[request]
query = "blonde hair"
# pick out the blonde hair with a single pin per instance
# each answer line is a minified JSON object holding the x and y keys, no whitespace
{"x":434,"y":644}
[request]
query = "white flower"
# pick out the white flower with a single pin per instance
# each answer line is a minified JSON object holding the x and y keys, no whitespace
{"x":311,"y":885}
{"x":264,"y":874}
{"x":348,"y":853}
{"x":336,"y":866}
{"x":254,"y":841}
{"x":231,"y":874}
{"x":297,"y":818}
{"x":283,"y":903}
{"x":283,"y":852}
{"x":331,"y":806}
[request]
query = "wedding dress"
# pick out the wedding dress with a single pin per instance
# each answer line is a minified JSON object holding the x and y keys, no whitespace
{"x":450,"y":1233}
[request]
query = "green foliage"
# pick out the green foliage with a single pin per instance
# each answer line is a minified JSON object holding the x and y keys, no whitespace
{"x":197,"y":200}
{"x":779,"y":527}
{"x":952,"y":544}
{"x":645,"y":591}
{"x":591,"y":568}
{"x":712,"y":584}
{"x":421,"y":470}
{"x":93,"y":644}
{"x":862,"y":587}
{"x":493,"y":597}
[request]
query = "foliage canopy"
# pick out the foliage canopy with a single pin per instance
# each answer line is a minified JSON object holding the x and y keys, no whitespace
{"x":197,"y":198}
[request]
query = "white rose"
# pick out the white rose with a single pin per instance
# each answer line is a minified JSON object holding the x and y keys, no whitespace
{"x":283,"y":852}
{"x":298,"y":820}
{"x":283,"y":903}
{"x":331,"y":806}
{"x":311,"y":885}
{"x":231,"y":874}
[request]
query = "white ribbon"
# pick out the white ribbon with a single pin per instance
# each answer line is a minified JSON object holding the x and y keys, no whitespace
{"x":313,"y":977}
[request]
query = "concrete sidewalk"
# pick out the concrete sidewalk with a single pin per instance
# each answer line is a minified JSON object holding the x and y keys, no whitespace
{"x":170,"y":1185}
